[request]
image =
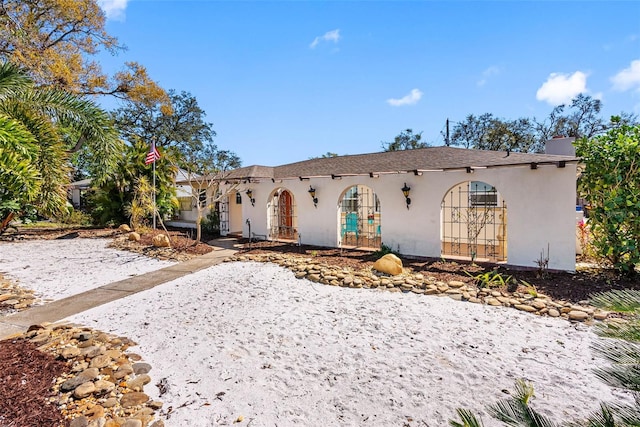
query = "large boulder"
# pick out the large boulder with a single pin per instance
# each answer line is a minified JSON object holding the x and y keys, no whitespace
{"x":124,"y":228}
{"x":161,"y":241}
{"x":134,"y":237}
{"x":389,"y":264}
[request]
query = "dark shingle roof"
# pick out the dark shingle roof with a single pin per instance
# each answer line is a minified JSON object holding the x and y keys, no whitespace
{"x":422,"y":159}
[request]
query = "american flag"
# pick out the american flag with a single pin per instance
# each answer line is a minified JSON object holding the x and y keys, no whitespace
{"x":152,"y":155}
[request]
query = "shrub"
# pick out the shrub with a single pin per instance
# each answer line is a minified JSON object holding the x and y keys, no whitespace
{"x":611,"y":184}
{"x":211,"y":223}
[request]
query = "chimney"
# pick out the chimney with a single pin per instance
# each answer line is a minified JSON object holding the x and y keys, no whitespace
{"x":560,"y":145}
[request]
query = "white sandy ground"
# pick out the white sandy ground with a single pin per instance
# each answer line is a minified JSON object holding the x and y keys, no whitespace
{"x":56,"y":269}
{"x":248,"y":339}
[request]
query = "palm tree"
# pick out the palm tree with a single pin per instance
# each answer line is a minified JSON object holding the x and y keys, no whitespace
{"x":35,"y":126}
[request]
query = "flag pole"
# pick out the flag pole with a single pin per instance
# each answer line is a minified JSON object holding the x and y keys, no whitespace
{"x":154,"y":188}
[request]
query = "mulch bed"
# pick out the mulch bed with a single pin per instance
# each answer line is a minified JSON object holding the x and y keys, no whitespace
{"x":26,"y":378}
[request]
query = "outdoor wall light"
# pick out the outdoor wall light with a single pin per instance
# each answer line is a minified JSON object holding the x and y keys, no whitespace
{"x":249,"y":194}
{"x":405,"y":192}
{"x":312,"y":193}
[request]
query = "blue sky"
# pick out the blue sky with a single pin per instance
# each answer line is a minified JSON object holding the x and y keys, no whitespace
{"x":283,"y":81}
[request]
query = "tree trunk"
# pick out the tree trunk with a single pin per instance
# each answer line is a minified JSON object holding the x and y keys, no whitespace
{"x":5,"y":222}
{"x":199,"y":225}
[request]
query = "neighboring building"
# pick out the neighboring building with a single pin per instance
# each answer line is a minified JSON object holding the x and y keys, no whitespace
{"x":76,"y":192}
{"x":469,"y":204}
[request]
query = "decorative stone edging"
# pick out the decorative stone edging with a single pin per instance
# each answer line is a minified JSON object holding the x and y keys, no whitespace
{"x":106,"y":385}
{"x":14,"y":298}
{"x":418,"y":283}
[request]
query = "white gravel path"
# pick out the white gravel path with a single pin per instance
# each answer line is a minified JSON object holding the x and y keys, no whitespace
{"x":56,"y":269}
{"x":248,"y":339}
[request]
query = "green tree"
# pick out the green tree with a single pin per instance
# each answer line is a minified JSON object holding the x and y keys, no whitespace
{"x":611,"y":184}
{"x":580,"y":119}
{"x":186,"y":142}
{"x":326,"y":155}
{"x":112,"y":201}
{"x":56,"y":41}
{"x":406,"y":140}
{"x":487,"y":132}
{"x":35,"y":122}
{"x":182,"y":126}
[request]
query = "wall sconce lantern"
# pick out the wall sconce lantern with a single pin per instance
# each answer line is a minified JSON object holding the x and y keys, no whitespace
{"x":249,"y":194}
{"x":405,"y":192}
{"x":312,"y":193}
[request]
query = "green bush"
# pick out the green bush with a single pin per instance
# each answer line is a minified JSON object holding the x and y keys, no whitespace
{"x":611,"y":185}
{"x":211,"y":223}
{"x":74,"y":217}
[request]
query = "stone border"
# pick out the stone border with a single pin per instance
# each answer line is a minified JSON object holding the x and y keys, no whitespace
{"x":418,"y":283}
{"x":14,"y":298}
{"x":105,"y":386}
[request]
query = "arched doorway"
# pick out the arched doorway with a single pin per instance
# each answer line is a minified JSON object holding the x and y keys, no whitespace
{"x":360,"y":218}
{"x":282,"y":216}
{"x":474,"y":222}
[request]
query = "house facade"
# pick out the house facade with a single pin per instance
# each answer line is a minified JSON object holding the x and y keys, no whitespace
{"x":454,"y":203}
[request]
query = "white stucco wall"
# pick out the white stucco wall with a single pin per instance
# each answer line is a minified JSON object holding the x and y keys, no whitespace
{"x":540,"y":210}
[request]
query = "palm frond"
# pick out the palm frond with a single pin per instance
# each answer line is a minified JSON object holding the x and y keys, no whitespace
{"x":618,"y":351}
{"x":629,"y":331}
{"x":622,"y":301}
{"x":516,"y":412}
{"x":12,"y":80}
{"x":467,"y":418}
{"x":627,"y":376}
{"x":602,"y":418}
{"x":629,"y":414}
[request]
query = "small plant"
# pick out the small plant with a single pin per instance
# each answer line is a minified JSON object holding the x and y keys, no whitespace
{"x":314,"y":253}
{"x":490,"y":279}
{"x":543,"y":264}
{"x":531,"y":289}
{"x":384,"y":250}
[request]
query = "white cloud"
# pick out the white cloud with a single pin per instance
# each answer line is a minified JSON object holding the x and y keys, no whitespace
{"x":113,"y":9}
{"x":329,"y":36}
{"x":412,"y":98}
{"x":562,"y":88}
{"x":629,"y":78}
{"x":489,"y":72}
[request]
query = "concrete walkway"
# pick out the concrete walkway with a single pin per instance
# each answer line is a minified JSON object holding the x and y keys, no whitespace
{"x":60,"y":309}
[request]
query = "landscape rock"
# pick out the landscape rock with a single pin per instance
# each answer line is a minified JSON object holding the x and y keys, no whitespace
{"x":133,"y":398}
{"x":124,"y":228}
{"x":389,"y":264}
{"x":141,"y":368}
{"x":161,"y":241}
{"x":134,"y":237}
{"x":84,"y":390}
{"x":578,"y":315}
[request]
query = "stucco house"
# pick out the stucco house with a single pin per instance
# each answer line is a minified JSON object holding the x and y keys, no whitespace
{"x":433,"y":202}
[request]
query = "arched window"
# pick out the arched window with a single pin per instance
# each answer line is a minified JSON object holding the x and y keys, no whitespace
{"x":474,"y":222}
{"x":360,"y":218}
